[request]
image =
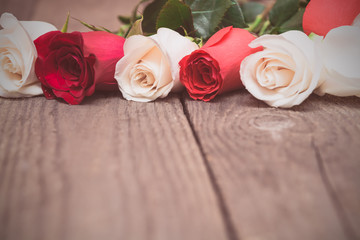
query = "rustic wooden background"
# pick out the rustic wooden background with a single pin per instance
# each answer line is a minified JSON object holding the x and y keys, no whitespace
{"x":175,"y":168}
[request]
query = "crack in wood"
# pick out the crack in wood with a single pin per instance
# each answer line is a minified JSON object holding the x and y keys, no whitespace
{"x":229,"y":225}
{"x":340,"y":212}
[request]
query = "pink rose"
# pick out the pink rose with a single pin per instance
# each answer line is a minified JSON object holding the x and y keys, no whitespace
{"x":214,"y":68}
{"x":71,"y":65}
{"x":323,"y":15}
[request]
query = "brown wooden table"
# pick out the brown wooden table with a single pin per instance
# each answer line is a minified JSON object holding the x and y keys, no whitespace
{"x":175,"y":168}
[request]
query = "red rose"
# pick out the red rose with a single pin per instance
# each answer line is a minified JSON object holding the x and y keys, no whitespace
{"x":72,"y":65}
{"x":323,"y":15}
{"x":214,"y":68}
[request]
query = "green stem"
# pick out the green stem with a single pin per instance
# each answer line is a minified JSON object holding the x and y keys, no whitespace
{"x":264,"y":27}
{"x":255,"y":24}
{"x":65,"y":27}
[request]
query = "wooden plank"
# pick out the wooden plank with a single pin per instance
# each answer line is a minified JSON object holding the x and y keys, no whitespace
{"x":21,"y":9}
{"x":338,"y":153}
{"x":102,"y":13}
{"x":283,"y":174}
{"x":107,"y":169}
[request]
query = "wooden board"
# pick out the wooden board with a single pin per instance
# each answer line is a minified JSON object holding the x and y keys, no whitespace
{"x":176,"y":168}
{"x":22,"y":9}
{"x":107,"y":169}
{"x":284,"y":174}
{"x":102,"y":13}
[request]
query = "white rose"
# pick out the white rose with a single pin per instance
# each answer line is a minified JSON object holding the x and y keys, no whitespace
{"x":149,"y":68}
{"x":340,"y":55}
{"x":285,"y":72}
{"x":18,"y":54}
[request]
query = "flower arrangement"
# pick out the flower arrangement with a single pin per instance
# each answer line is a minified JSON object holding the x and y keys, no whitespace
{"x":281,"y":53}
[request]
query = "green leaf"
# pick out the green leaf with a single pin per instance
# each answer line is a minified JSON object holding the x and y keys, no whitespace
{"x":176,"y":16}
{"x":134,"y":16}
{"x":234,"y":16}
{"x":207,"y":15}
{"x":303,"y":3}
{"x":123,"y":30}
{"x":135,"y":29}
{"x":135,"y":11}
{"x":124,"y":20}
{"x":294,"y":23}
{"x":92,"y":27}
{"x":66,"y":24}
{"x":251,"y":10}
{"x":151,"y":13}
{"x":282,"y":11}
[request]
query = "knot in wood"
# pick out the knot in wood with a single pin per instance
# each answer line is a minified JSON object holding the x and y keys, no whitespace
{"x":271,"y":122}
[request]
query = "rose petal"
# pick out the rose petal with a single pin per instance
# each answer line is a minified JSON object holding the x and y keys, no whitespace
{"x":285,"y":73}
{"x":16,"y":41}
{"x":321,"y":16}
{"x":37,"y":28}
{"x":170,"y":43}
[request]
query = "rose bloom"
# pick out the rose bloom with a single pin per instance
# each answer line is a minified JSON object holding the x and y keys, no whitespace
{"x":71,"y":65}
{"x":214,"y":68}
{"x":321,"y":16}
{"x":285,"y":73}
{"x":339,"y":52}
{"x":149,"y":69}
{"x":18,"y":54}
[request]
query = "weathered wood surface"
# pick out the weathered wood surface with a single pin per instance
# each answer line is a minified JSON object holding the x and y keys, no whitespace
{"x":176,"y":168}
{"x":284,"y":174}
{"x":108,"y":169}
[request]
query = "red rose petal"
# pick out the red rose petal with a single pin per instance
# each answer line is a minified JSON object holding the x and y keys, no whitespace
{"x":67,"y":63}
{"x":214,"y":68}
{"x":68,"y":97}
{"x":48,"y":93}
{"x":108,"y":50}
{"x":323,"y":15}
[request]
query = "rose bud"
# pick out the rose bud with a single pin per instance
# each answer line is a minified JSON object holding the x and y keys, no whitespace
{"x":18,"y":55}
{"x":285,"y":72}
{"x":71,"y":65}
{"x":321,"y":16}
{"x":149,"y":69}
{"x":214,"y":68}
{"x":339,"y":52}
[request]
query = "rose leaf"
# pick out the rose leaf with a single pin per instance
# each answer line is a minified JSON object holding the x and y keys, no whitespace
{"x":176,"y":16}
{"x":151,"y":13}
{"x":234,"y":16}
{"x":136,"y":28}
{"x":207,"y":15}
{"x":294,"y":23}
{"x":282,"y":11}
{"x":251,"y":10}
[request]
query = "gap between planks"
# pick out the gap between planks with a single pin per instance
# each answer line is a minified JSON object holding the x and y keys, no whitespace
{"x":341,"y":214}
{"x":231,"y":230}
{"x":199,"y":116}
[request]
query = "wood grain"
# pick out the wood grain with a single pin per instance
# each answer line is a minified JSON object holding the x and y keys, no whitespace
{"x":283,"y":174}
{"x":338,"y":153}
{"x":230,"y":169}
{"x":108,"y":169}
{"x":102,"y":13}
{"x":22,"y":9}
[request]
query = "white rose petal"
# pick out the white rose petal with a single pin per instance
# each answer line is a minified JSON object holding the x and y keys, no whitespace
{"x":340,"y":55}
{"x":356,"y":22}
{"x":285,"y":72}
{"x":149,"y":68}
{"x":17,"y":56}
